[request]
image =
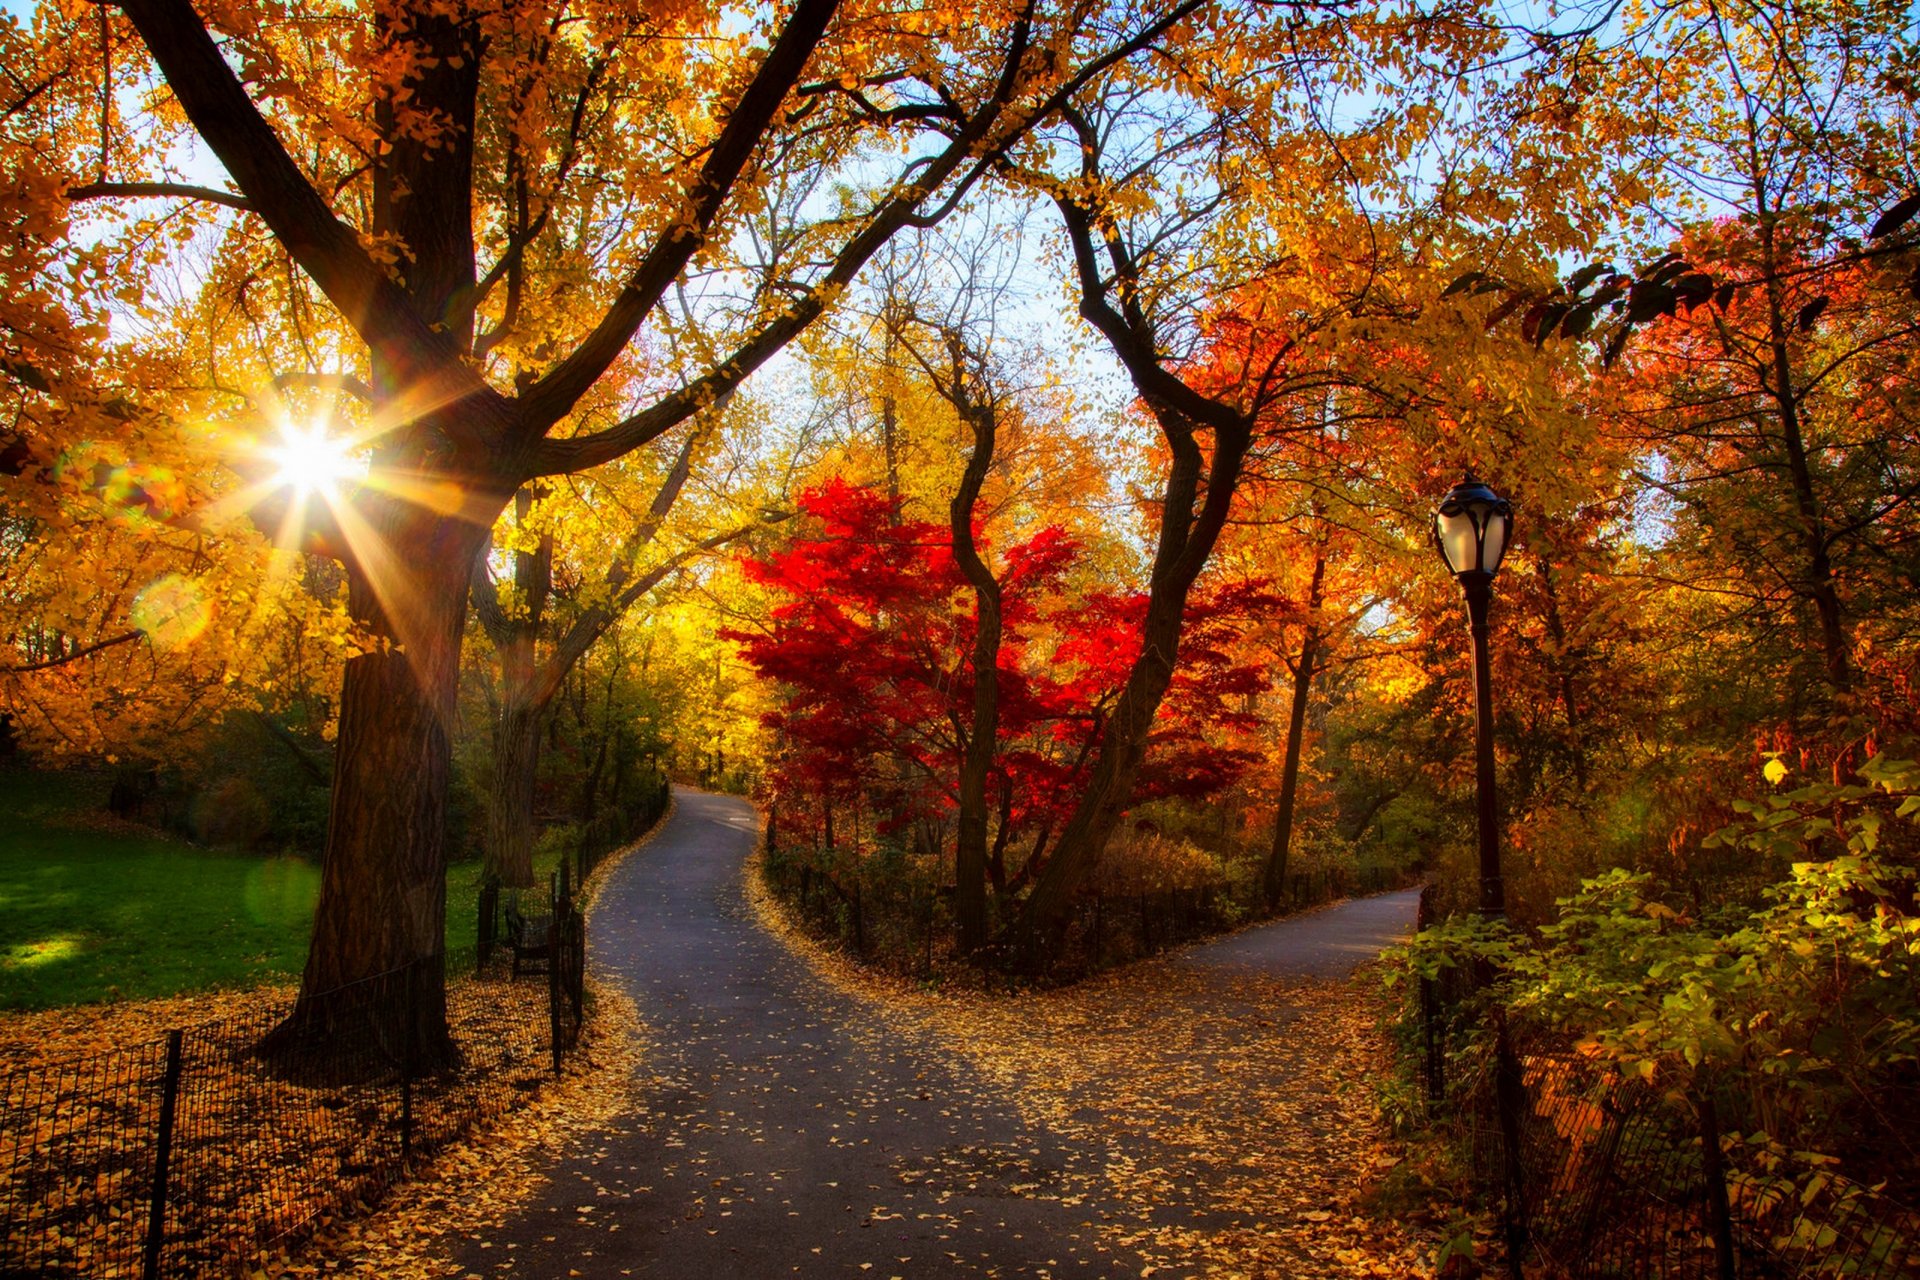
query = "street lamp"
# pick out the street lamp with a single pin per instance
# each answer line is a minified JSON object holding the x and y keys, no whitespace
{"x":1471,"y":530}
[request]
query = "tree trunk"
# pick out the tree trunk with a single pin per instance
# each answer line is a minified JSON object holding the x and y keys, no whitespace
{"x":1194,"y":503}
{"x":1819,"y":577}
{"x":515,"y":777}
{"x":1109,"y":787}
{"x":526,"y":690}
{"x":1190,"y":526}
{"x":1303,"y":671}
{"x":383,"y":882}
{"x":975,"y":404}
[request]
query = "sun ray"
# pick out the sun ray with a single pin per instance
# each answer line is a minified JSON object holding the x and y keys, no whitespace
{"x":391,"y":585}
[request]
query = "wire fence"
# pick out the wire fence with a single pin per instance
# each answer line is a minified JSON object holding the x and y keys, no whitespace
{"x":218,"y":1144}
{"x":1612,"y":1178}
{"x":893,"y":907}
{"x":622,"y":825}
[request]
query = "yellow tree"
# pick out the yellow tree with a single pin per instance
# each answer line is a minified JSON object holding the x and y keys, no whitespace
{"x":493,"y":203}
{"x":617,"y":535}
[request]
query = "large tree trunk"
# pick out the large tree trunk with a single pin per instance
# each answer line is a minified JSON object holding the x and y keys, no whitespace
{"x":382,"y":901}
{"x":1303,"y":671}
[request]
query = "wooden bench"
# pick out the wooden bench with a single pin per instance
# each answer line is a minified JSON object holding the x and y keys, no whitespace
{"x":531,"y":940}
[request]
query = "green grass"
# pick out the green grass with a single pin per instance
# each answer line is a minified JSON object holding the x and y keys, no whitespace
{"x":93,"y":911}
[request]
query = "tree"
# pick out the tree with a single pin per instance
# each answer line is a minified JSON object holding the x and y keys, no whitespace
{"x":1771,"y":362}
{"x":455,"y":166}
{"x":537,"y":647}
{"x":873,"y":654}
{"x":965,"y":382}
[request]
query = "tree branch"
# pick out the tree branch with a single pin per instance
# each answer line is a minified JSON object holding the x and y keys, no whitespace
{"x":346,"y":382}
{"x":554,"y":395}
{"x":75,"y":656}
{"x":169,"y":190}
{"x":326,"y":248}
{"x":593,"y":623}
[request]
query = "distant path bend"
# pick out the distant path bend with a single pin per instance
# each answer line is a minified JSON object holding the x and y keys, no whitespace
{"x":1329,"y":943}
{"x":788,"y":1128}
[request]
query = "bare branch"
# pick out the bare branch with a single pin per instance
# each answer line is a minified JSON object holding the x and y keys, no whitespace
{"x":163,"y":190}
{"x":75,"y":656}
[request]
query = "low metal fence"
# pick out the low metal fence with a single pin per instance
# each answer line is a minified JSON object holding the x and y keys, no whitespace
{"x":1612,"y":1178}
{"x":198,"y":1153}
{"x":892,"y":905}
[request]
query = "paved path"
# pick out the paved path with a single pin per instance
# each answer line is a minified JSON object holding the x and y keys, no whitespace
{"x":788,"y":1131}
{"x":1321,"y":944}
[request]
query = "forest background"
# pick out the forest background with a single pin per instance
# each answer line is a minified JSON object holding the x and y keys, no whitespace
{"x":1002,"y":438}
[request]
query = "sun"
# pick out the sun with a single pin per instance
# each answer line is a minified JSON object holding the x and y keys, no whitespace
{"x":310,"y":461}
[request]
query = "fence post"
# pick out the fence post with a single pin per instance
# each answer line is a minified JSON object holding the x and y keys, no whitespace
{"x":489,"y":913}
{"x":553,"y":964}
{"x":1720,"y":1214}
{"x":162,"y":1156}
{"x":1511,"y":1098}
{"x":1430,"y":1012}
{"x":1435,"y":1040}
{"x":577,"y":967}
{"x":409,"y":1061}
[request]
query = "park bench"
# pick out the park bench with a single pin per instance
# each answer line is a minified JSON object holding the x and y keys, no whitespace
{"x":531,"y":940}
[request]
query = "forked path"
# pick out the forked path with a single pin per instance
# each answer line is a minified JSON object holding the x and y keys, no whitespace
{"x":791,"y":1127}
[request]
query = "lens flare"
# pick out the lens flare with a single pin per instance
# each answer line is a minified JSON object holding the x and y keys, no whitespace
{"x":172,"y":611}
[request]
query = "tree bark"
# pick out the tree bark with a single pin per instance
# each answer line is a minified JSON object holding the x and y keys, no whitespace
{"x":1303,"y":672}
{"x":382,"y":900}
{"x":515,"y":777}
{"x":970,"y":842}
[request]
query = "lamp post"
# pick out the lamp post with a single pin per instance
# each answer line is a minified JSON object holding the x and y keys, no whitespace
{"x":1471,"y":529}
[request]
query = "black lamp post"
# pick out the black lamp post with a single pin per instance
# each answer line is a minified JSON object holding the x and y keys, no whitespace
{"x":1472,"y":529}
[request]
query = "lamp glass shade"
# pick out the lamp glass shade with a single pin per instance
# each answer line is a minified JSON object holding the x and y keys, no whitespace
{"x":1472,"y":527}
{"x":1458,"y":540}
{"x":1493,"y":543}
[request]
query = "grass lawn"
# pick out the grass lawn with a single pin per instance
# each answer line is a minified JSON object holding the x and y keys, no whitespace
{"x":93,"y":910}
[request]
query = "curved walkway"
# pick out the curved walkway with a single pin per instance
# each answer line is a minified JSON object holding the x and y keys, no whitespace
{"x":787,"y":1129}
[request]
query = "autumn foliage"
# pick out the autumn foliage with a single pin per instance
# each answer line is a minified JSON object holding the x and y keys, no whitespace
{"x":866,"y":642}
